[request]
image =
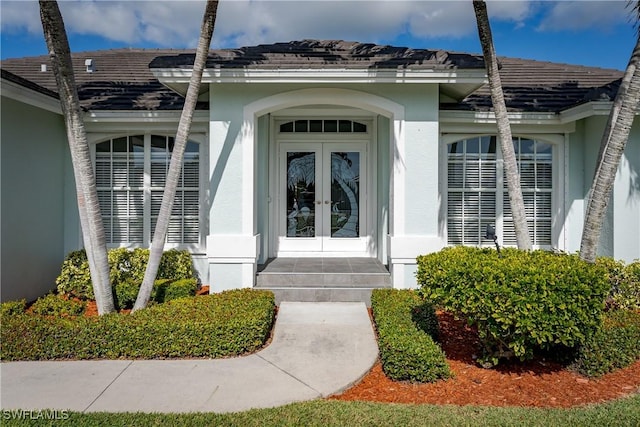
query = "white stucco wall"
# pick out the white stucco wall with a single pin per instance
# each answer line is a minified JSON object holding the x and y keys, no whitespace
{"x":32,"y":187}
{"x":575,"y":193}
{"x":620,"y":236}
{"x":626,"y":201}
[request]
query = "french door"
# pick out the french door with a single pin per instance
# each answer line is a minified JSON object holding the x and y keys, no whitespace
{"x":322,"y":196}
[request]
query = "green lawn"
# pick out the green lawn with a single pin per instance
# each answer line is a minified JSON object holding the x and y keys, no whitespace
{"x":623,"y":412}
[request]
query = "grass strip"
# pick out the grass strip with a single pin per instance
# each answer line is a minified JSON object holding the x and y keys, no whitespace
{"x":622,"y":412}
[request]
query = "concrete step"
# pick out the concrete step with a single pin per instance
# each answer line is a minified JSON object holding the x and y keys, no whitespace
{"x":323,"y":280}
{"x":324,"y":294}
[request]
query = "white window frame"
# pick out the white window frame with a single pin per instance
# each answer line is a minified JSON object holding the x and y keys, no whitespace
{"x":557,"y":142}
{"x":200,"y":139}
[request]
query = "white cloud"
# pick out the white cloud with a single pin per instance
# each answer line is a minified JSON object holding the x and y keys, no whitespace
{"x":583,"y":15}
{"x":249,"y":22}
{"x":19,"y":16}
{"x":253,"y":22}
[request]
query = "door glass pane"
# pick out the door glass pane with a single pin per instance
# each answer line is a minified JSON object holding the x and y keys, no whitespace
{"x":345,"y":194}
{"x":301,"y":194}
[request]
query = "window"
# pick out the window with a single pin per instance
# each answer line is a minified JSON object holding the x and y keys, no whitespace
{"x":477,"y":190}
{"x":131,"y":174}
{"x":536,"y":173}
{"x":323,"y":126}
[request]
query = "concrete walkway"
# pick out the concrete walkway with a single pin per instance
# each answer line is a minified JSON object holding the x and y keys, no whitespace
{"x":318,"y":349}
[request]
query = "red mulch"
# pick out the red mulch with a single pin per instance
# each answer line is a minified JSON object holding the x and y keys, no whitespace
{"x":537,"y":383}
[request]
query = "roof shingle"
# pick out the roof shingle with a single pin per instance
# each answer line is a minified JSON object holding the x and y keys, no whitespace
{"x":322,"y":54}
{"x":122,"y":79}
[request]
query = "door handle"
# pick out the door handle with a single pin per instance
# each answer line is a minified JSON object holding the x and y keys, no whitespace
{"x":326,"y":202}
{"x":318,"y":202}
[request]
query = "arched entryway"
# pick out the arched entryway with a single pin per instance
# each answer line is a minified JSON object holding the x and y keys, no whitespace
{"x":323,"y":168}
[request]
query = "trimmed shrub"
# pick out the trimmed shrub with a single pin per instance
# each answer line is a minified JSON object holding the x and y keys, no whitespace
{"x":160,"y":289}
{"x":175,"y":264}
{"x":619,"y":287}
{"x":125,"y":294}
{"x":13,"y":307}
{"x":182,"y":288}
{"x":163,"y":290}
{"x":54,"y":305}
{"x":406,"y":327}
{"x":628,"y":292}
{"x":616,"y":345}
{"x":520,"y":301}
{"x":219,"y":325}
{"x":75,"y":277}
{"x":125,"y":266}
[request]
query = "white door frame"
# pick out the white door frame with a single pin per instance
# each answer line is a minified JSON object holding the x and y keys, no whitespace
{"x":322,"y":241}
{"x":366,"y":245}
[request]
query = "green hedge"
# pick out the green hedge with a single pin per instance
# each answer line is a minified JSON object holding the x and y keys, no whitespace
{"x":406,"y":328}
{"x":13,"y":307}
{"x":126,"y":266}
{"x":54,"y":305}
{"x":218,"y":325}
{"x":163,"y":290}
{"x":624,"y":282}
{"x":616,"y":345}
{"x":520,"y":301}
{"x":167,"y":290}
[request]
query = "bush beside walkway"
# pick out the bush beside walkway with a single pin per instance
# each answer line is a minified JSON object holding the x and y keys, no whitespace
{"x":219,"y":325}
{"x":407,"y":327}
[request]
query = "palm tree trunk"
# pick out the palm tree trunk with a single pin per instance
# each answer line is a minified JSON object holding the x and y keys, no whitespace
{"x":87,"y":194}
{"x":175,"y":166}
{"x":523,"y":238}
{"x":614,"y":140}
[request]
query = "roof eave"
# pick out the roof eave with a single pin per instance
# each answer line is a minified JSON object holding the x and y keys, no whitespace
{"x":168,"y":76}
{"x":587,"y":109}
{"x":473,"y":122}
{"x":29,"y":96}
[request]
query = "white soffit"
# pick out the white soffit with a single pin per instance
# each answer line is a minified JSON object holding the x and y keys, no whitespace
{"x":471,"y":121}
{"x":170,"y":76}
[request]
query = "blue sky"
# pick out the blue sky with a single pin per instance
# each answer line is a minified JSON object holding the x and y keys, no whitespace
{"x":594,"y":33}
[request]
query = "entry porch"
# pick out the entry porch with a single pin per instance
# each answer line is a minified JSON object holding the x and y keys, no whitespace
{"x":323,"y":279}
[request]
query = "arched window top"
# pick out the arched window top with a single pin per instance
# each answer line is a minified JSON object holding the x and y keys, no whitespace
{"x":323,"y":126}
{"x":477,"y":193}
{"x":485,"y":147}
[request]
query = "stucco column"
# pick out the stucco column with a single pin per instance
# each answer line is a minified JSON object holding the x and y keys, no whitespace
{"x":232,"y":246}
{"x":415,"y":199}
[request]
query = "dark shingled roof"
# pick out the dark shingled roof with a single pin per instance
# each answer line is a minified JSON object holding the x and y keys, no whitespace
{"x":122,"y":79}
{"x":546,"y":86}
{"x":323,"y":54}
{"x":28,"y":84}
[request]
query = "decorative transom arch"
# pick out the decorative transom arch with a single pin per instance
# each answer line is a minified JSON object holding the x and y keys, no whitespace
{"x":324,"y":96}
